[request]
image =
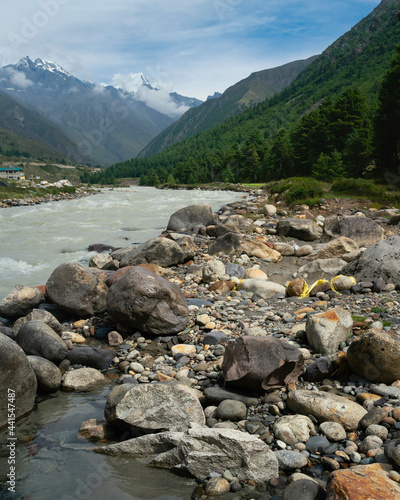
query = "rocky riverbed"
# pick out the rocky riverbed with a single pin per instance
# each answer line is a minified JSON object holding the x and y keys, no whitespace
{"x":256,"y":350}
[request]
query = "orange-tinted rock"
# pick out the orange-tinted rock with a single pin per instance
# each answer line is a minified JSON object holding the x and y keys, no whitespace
{"x":363,"y":482}
{"x":222,"y":286}
{"x":117,"y":275}
{"x":295,"y":288}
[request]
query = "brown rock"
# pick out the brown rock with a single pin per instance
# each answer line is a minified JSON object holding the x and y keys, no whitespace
{"x":295,"y":288}
{"x":222,"y":286}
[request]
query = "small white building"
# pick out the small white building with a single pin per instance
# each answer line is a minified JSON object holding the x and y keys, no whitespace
{"x":13,"y":173}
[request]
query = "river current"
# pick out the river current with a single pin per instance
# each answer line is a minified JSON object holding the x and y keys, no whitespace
{"x":51,"y":461}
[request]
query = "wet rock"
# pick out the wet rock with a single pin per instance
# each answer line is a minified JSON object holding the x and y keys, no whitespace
{"x":161,"y":251}
{"x":38,"y":339}
{"x":362,"y":482}
{"x":364,"y":231}
{"x":259,"y":363}
{"x":199,"y":450}
{"x":48,"y":375}
{"x":77,"y":290}
{"x":375,"y":356}
{"x":94,"y":357}
{"x":100,"y":247}
{"x":192,"y":217}
{"x":212,"y":271}
{"x":142,"y":300}
{"x":327,"y":330}
{"x":327,"y":407}
{"x":293,"y":428}
{"x":304,"y":489}
{"x":82,"y":379}
{"x":18,"y":382}
{"x":288,"y":459}
{"x":97,"y":430}
{"x":155,"y":407}
{"x":20,"y":302}
{"x":263,"y":288}
{"x":302,"y":229}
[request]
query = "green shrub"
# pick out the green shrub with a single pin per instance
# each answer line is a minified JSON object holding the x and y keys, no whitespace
{"x":296,"y":189}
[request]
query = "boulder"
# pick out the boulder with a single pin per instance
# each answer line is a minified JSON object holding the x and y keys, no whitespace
{"x":302,"y":229}
{"x":82,"y":379}
{"x":375,"y":356}
{"x":380,"y":260}
{"x":47,"y":374}
{"x":239,"y":224}
{"x":263,"y":288}
{"x":261,"y":363}
{"x":304,"y":489}
{"x":100,"y":260}
{"x":78,"y":290}
{"x":155,"y":407}
{"x":142,"y":300}
{"x":364,"y":231}
{"x":200,"y":450}
{"x":288,"y":459}
{"x":212,"y":271}
{"x":236,"y":244}
{"x":231,"y":409}
{"x":292,"y":429}
{"x":38,"y":339}
{"x":327,"y":330}
{"x":38,"y":315}
{"x":295,"y":288}
{"x":335,"y":248}
{"x":94,"y":357}
{"x":17,"y":381}
{"x":324,"y":268}
{"x":191,"y":218}
{"x":162,"y":251}
{"x":186,"y":243}
{"x":100,"y":247}
{"x":325,"y":406}
{"x":284,"y":248}
{"x":362,"y":482}
{"x":269,"y":210}
{"x":20,"y":302}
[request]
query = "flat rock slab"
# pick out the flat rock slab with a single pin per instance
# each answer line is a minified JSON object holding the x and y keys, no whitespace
{"x":327,"y":407}
{"x":201,"y":450}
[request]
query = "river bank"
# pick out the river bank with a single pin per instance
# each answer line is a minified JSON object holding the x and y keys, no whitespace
{"x":312,"y":413}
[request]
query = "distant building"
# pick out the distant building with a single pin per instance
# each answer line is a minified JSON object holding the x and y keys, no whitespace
{"x":14,"y":173}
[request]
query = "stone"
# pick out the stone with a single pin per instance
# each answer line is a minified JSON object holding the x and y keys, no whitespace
{"x":155,"y":407}
{"x":162,"y":251}
{"x":238,"y":223}
{"x":215,"y":337}
{"x":186,"y":244}
{"x":288,"y":459}
{"x":78,"y":290}
{"x":335,"y":248}
{"x":324,"y":268}
{"x":93,"y":357}
{"x":97,"y":430}
{"x":236,"y":244}
{"x":254,"y":273}
{"x":20,"y":302}
{"x":217,"y":486}
{"x":82,"y":379}
{"x":333,"y":431}
{"x":284,"y":249}
{"x":342,"y":283}
{"x":100,"y":260}
{"x":325,"y":406}
{"x":48,"y":375}
{"x":318,"y":370}
{"x":375,"y":356}
{"x":377,"y":430}
{"x":364,"y":231}
{"x":304,"y":489}
{"x":233,"y":410}
{"x":235,"y":271}
{"x":216,"y":394}
{"x":269,"y":210}
{"x":303,"y":251}
{"x":381,"y":260}
{"x":115,"y":338}
{"x":146,"y":302}
{"x":317,"y":444}
{"x":38,"y":315}
{"x":184,"y":349}
{"x":191,"y":218}
{"x":212,"y":271}
{"x":392,"y":451}
{"x":261,"y":363}
{"x":263,"y":288}
{"x":362,"y":482}
{"x":200,"y":450}
{"x":326,"y":331}
{"x":39,"y":339}
{"x":302,"y":229}
{"x":18,"y":382}
{"x":296,"y":287}
{"x":100,"y":247}
{"x":292,"y":429}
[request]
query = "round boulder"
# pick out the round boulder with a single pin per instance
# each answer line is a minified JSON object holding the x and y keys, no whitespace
{"x":191,"y":218}
{"x":38,"y":315}
{"x":47,"y":374}
{"x":20,"y":302}
{"x":143,"y":300}
{"x":83,"y":379}
{"x":38,"y":339}
{"x":77,"y":290}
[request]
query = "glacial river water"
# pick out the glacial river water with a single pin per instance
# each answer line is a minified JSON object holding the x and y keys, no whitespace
{"x":51,"y":461}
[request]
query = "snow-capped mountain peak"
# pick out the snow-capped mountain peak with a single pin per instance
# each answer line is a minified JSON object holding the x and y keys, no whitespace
{"x":131,"y":82}
{"x":43,"y":65}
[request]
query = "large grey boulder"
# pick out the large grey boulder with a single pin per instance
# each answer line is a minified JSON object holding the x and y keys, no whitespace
{"x":261,"y":363}
{"x":375,"y":356}
{"x":302,"y":229}
{"x":334,"y":248}
{"x":78,"y":290}
{"x":191,"y":218}
{"x":20,"y":302}
{"x":379,"y":260}
{"x":17,"y":381}
{"x":327,"y":330}
{"x":143,"y":300}
{"x":236,"y":244}
{"x":155,"y":407}
{"x":38,"y":339}
{"x":38,"y":315}
{"x":94,"y":357}
{"x":364,"y":231}
{"x":324,"y":268}
{"x":327,"y":407}
{"x":48,"y":375}
{"x":263,"y":288}
{"x":201,"y":450}
{"x":162,"y":251}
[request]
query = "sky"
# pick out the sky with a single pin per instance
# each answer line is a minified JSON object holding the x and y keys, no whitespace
{"x":193,"y":47}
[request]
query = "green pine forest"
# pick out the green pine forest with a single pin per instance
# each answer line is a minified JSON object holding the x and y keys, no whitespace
{"x":340,"y":118}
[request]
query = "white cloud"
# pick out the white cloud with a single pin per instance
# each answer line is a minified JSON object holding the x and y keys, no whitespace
{"x":19,"y":79}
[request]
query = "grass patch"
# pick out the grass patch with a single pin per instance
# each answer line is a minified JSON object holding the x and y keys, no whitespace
{"x":359,"y":318}
{"x":386,"y":323}
{"x":299,"y":189}
{"x":378,"y":309}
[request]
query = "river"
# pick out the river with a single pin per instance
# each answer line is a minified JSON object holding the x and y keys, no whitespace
{"x":51,"y":461}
